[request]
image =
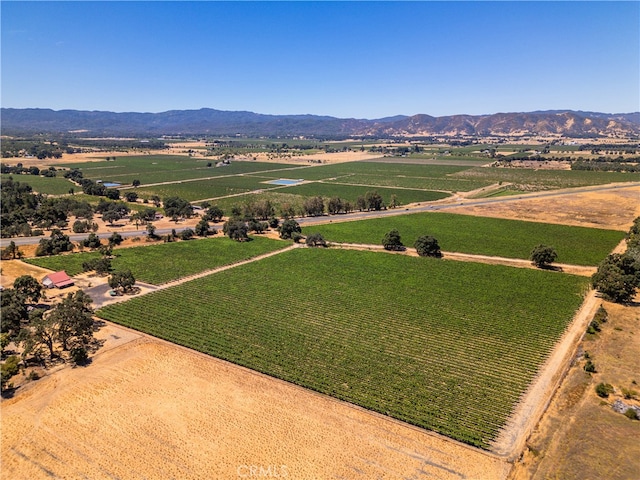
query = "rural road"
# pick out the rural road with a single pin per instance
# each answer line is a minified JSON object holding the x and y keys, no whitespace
{"x":426,"y":207}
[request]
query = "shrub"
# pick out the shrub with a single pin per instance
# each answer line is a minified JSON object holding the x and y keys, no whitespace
{"x":9,"y":368}
{"x":604,"y":390}
{"x":628,"y":393}
{"x":631,"y":414}
{"x":590,"y":367}
{"x":187,"y":234}
{"x":316,"y":240}
{"x":79,"y":355}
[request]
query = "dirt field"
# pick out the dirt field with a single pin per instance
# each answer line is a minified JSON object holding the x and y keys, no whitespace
{"x":612,"y":209}
{"x":204,"y":418}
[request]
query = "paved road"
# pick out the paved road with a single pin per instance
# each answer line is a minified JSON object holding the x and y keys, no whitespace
{"x":426,"y":207}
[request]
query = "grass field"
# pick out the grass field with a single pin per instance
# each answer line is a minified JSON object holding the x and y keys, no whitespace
{"x":533,"y":180}
{"x":480,"y":235}
{"x":45,"y":185}
{"x":166,"y":168}
{"x":203,"y":189}
{"x":351,"y":192}
{"x":448,"y":346}
{"x":164,"y":262}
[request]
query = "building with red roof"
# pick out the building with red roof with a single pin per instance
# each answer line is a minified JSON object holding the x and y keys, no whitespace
{"x":57,"y":280}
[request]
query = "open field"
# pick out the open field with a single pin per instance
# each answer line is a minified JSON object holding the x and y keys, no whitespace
{"x":612,"y":209}
{"x":164,"y":168}
{"x":153,"y":263}
{"x":526,"y":179}
{"x":352,"y":192}
{"x":44,"y":185}
{"x":148,"y":409}
{"x":358,"y":319}
{"x":480,"y":235}
{"x":204,"y":189}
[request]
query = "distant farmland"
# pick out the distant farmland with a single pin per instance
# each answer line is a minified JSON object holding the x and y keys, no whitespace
{"x":448,"y":346}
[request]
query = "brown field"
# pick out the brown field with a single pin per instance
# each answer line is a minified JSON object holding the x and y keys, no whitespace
{"x":612,"y":209}
{"x":149,"y":409}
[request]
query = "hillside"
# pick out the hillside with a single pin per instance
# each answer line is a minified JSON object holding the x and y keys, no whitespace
{"x":208,"y":121}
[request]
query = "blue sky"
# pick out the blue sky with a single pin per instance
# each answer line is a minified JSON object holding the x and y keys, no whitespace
{"x":344,"y":59}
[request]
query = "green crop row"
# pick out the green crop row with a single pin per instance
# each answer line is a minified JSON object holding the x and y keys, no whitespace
{"x":447,"y":346}
{"x":480,"y":235}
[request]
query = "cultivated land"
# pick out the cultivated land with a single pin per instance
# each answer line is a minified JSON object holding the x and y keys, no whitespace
{"x":156,"y":264}
{"x":580,"y":435}
{"x":128,"y":394}
{"x":148,"y":409}
{"x":480,"y":235}
{"x":353,"y":320}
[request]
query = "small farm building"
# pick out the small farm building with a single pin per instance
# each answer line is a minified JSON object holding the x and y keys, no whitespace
{"x":57,"y":280}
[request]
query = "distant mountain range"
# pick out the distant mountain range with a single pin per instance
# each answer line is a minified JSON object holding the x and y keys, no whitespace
{"x":208,"y":121}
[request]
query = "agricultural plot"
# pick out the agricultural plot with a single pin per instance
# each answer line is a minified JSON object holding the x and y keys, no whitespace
{"x":388,"y":172}
{"x":154,"y":263}
{"x":166,"y":168}
{"x":480,"y":235}
{"x":534,"y":180}
{"x":203,"y":189}
{"x":44,"y":185}
{"x":352,"y":192}
{"x":447,"y":346}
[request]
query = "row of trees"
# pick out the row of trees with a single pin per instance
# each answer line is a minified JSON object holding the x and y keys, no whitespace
{"x":425,"y":245}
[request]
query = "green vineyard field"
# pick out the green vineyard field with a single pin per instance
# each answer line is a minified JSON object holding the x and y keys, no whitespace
{"x":447,"y":346}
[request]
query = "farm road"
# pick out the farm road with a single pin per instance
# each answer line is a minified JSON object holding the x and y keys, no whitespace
{"x":468,"y":257}
{"x":101,"y":297}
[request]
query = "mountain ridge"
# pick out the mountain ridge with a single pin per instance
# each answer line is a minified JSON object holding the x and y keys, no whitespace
{"x":208,"y":121}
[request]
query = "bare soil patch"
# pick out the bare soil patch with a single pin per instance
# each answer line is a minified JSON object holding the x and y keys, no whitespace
{"x":149,"y":409}
{"x":612,"y":209}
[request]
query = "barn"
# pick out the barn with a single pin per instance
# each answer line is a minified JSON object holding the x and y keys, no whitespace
{"x":57,"y":280}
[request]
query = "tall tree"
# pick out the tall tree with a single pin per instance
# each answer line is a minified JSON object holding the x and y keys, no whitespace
{"x":28,"y":287}
{"x":392,"y":241}
{"x":236,"y":230}
{"x":122,"y":281}
{"x":289,"y":229}
{"x":427,"y":246}
{"x":73,"y":319}
{"x":543,"y":256}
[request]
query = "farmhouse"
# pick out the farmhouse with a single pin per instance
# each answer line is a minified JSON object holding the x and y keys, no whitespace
{"x":57,"y":280}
